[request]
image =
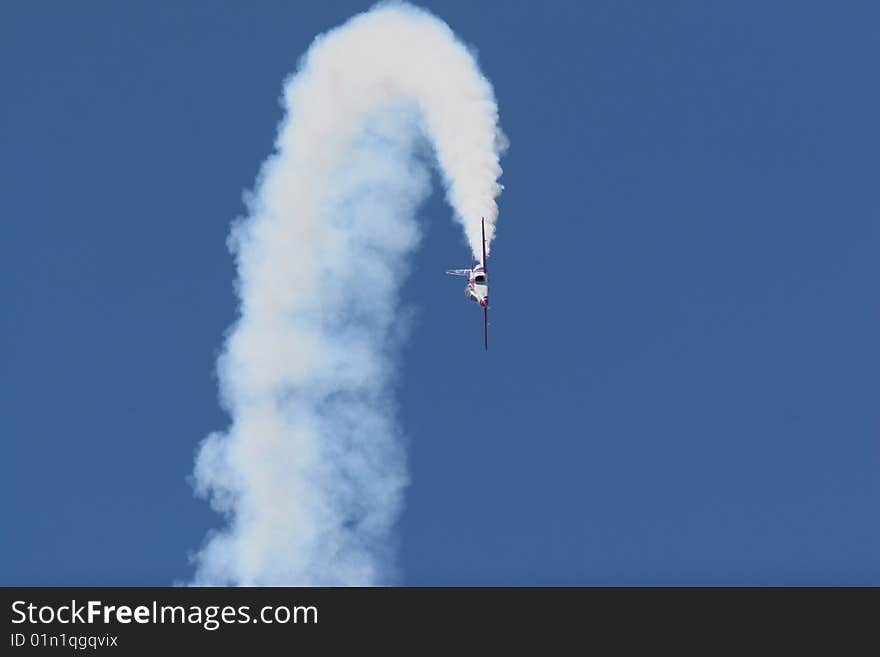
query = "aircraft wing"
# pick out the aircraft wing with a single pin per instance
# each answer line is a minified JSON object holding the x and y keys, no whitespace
{"x":459,"y":272}
{"x":483,"y":229}
{"x":485,"y":269}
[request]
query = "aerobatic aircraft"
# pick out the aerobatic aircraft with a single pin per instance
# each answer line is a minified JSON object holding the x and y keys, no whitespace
{"x":477,"y":289}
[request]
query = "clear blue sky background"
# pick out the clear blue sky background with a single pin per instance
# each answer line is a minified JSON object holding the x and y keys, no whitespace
{"x":684,"y":374}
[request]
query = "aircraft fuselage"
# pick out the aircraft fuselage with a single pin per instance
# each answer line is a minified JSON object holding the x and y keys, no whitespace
{"x":477,"y":289}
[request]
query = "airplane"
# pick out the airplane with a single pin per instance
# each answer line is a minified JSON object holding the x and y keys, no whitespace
{"x":477,"y":289}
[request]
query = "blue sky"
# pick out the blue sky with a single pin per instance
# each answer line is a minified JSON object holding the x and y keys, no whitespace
{"x":682,"y":386}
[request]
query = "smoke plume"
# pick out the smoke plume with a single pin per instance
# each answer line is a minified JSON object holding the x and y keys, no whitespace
{"x":310,"y":473}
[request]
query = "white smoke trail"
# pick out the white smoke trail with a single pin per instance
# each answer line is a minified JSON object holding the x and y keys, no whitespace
{"x":311,"y":471}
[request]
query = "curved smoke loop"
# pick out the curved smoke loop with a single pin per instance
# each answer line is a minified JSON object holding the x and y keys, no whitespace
{"x":311,"y":471}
